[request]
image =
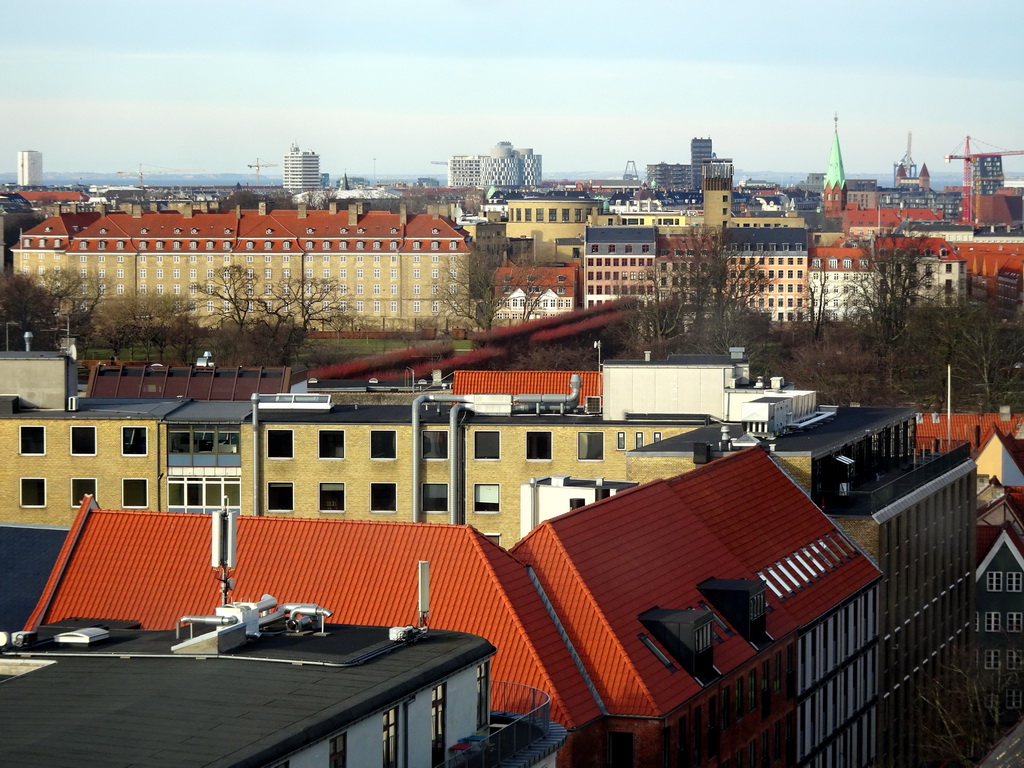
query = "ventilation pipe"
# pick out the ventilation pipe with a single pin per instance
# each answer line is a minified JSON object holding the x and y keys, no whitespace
{"x":529,"y":403}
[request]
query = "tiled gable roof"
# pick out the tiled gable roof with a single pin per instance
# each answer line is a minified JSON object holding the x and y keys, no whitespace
{"x":524,"y":382}
{"x":964,"y":427}
{"x":154,"y":568}
{"x":604,"y":564}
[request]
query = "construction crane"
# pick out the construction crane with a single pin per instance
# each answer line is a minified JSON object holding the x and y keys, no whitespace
{"x":257,"y":165}
{"x":162,"y":170}
{"x":439,"y":162}
{"x":970,"y":158}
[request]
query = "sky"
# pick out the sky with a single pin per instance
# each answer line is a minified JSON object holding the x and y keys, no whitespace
{"x":388,"y":87}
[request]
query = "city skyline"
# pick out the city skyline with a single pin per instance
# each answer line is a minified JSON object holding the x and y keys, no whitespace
{"x":211,"y":88}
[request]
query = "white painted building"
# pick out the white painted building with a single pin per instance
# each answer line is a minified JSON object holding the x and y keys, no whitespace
{"x":30,"y":168}
{"x":301,"y":170}
{"x":505,"y":166}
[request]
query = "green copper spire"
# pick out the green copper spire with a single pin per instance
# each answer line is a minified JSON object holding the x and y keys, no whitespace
{"x":836,"y":177}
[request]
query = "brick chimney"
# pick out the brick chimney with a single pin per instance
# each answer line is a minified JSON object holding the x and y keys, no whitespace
{"x":186,"y":210}
{"x":263,"y":209}
{"x":353,"y":214}
{"x":403,"y":214}
{"x":301,"y":211}
{"x":332,"y":207}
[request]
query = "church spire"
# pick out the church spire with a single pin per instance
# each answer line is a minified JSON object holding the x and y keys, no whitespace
{"x":834,"y":196}
{"x":836,"y":176}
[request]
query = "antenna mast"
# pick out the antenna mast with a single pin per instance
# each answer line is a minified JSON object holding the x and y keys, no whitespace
{"x":222,"y":549}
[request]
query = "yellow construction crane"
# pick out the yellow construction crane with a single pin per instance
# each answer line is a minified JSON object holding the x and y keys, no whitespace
{"x":161,"y":168}
{"x":257,"y":165}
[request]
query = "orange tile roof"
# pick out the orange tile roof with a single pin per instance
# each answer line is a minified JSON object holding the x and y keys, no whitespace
{"x":970,"y":428}
{"x":604,"y":564}
{"x":153,"y":567}
{"x":524,"y":382}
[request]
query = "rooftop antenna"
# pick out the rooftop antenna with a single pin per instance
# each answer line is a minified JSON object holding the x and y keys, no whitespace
{"x":222,"y":549}
{"x":424,"y":593}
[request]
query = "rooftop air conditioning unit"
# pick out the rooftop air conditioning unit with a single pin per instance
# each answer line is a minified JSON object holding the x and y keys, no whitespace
{"x":592,"y":404}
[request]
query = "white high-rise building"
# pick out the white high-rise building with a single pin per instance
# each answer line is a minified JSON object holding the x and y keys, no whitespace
{"x":505,"y":167}
{"x":30,"y":168}
{"x":301,"y":170}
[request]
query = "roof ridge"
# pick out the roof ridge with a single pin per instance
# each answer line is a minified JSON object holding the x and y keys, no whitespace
{"x":59,"y":569}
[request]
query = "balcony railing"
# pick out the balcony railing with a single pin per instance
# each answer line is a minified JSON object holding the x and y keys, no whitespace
{"x":874,"y":496}
{"x":520,"y":716}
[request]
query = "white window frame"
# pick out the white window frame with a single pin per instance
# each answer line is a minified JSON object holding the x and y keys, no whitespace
{"x":20,"y":439}
{"x":145,"y":431}
{"x":1014,"y":581}
{"x":71,"y":483}
{"x":579,"y":436}
{"x":281,"y":482}
{"x":71,"y":439}
{"x":280,"y":458}
{"x":447,"y":499}
{"x":319,"y":448}
{"x":993,"y":621}
{"x":319,"y":498}
{"x":21,"y":493}
{"x":384,"y":511}
{"x":477,"y":501}
{"x":994,"y":581}
{"x":124,"y":505}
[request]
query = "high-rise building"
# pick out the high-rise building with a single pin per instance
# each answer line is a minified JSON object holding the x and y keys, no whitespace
{"x":700,"y":150}
{"x":505,"y":167}
{"x":30,"y":168}
{"x":301,"y":170}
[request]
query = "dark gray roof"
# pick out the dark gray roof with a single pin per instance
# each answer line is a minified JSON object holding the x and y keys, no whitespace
{"x":110,"y":708}
{"x":620,"y":234}
{"x":27,"y":555}
{"x":768,"y":235}
{"x":107,"y":408}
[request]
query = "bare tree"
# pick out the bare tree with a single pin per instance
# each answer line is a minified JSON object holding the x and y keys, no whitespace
{"x":232,"y":292}
{"x":465,"y":286}
{"x":306,"y":299}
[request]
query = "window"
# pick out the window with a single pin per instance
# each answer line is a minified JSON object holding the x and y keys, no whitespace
{"x":483,"y":695}
{"x":435,"y":497}
{"x":1013,"y":581}
{"x":33,"y":441}
{"x":435,"y":445}
{"x":538,"y":446}
{"x":134,"y":493}
{"x":991,"y":659}
{"x":1014,"y":621}
{"x":383,"y":497}
{"x":383,"y":444}
{"x":994,"y":581}
{"x":337,"y":756}
{"x":486,"y":497}
{"x":487,"y":445}
{"x":638,"y":439}
{"x":332,"y":497}
{"x":332,"y":444}
{"x":391,"y":738}
{"x":133,"y":441}
{"x":620,"y":441}
{"x":437,"y":725}
{"x":1013,"y":698}
{"x":280,"y":497}
{"x":83,"y":441}
{"x":279,"y":444}
{"x":33,"y":492}
{"x":80,"y":488}
{"x":992,"y":623}
{"x":590,"y":446}
{"x":1013,"y":659}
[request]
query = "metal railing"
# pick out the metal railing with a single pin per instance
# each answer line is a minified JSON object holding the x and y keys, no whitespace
{"x":520,"y":716}
{"x":870,"y":501}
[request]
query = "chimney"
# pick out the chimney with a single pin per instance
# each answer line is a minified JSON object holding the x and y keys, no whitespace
{"x":136,"y":209}
{"x":186,"y":210}
{"x":647,"y":356}
{"x":403,"y":214}
{"x":353,"y":214}
{"x":263,"y":209}
{"x":1004,"y":413}
{"x":101,"y":209}
{"x":332,"y":207}
{"x":72,"y":207}
{"x":238,"y":211}
{"x":300,"y":211}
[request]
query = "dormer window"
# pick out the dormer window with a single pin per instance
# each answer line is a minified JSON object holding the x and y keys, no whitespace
{"x":227,"y":230}
{"x":360,"y":231}
{"x":103,"y":231}
{"x":177,"y":230}
{"x":195,"y":230}
{"x":269,"y":231}
{"x":416,"y":245}
{"x":50,"y":229}
{"x":435,"y":231}
{"x":344,"y":231}
{"x":394,"y":230}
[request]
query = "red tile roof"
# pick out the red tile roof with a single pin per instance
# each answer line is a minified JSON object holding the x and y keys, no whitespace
{"x":970,"y":428}
{"x":989,"y":534}
{"x":604,"y":564}
{"x":524,"y":382}
{"x":153,"y":567}
{"x":53,"y":196}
